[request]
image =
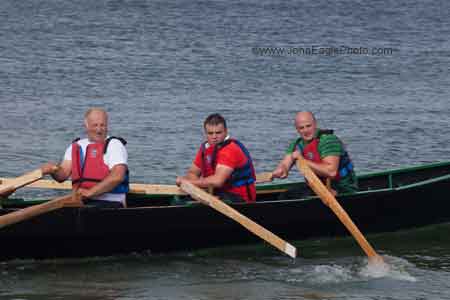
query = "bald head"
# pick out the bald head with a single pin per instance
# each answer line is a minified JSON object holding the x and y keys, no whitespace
{"x":305,"y":115}
{"x":306,"y":125}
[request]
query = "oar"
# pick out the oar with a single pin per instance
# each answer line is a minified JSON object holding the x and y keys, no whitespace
{"x":260,"y":178}
{"x":40,"y":183}
{"x":230,"y":212}
{"x":264,"y":177}
{"x":35,"y":210}
{"x":21,"y":181}
{"x":135,"y":188}
{"x":321,"y":190}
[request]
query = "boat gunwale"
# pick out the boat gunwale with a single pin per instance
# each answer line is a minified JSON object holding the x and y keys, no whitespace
{"x":307,"y":198}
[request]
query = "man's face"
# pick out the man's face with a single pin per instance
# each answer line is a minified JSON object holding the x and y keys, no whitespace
{"x":306,"y":126}
{"x":215,"y":134}
{"x":96,"y":126}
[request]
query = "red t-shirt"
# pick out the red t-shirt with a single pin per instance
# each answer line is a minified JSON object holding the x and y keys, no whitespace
{"x":230,"y":156}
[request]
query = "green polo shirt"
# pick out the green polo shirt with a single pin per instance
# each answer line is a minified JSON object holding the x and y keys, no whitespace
{"x":331,"y":145}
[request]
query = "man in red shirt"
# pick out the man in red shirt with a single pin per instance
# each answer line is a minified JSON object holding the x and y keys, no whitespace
{"x":222,"y":163}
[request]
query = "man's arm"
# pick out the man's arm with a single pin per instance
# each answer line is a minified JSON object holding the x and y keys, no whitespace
{"x":193,"y":173}
{"x":327,"y":168}
{"x":282,"y":170}
{"x":114,"y":178}
{"x":58,"y":172}
{"x":330,"y":149}
{"x":217,"y":180}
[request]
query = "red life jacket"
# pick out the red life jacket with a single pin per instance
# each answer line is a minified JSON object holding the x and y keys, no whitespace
{"x":311,"y":152}
{"x":207,"y":167}
{"x":93,"y":170}
{"x":240,"y":177}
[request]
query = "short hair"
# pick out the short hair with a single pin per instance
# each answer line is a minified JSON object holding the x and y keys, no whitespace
{"x":215,"y":119}
{"x":92,"y":109}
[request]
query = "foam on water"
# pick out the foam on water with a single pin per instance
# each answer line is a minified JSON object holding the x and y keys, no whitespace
{"x":393,"y":267}
{"x":332,"y":274}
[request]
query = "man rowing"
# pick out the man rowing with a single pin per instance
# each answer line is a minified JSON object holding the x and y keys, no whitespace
{"x":222,"y":163}
{"x":97,"y":164}
{"x":324,"y":152}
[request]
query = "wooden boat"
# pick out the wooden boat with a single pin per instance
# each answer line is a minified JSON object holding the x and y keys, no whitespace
{"x":387,"y":201}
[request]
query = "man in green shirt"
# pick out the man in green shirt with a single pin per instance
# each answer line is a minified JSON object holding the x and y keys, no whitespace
{"x":324,"y":152}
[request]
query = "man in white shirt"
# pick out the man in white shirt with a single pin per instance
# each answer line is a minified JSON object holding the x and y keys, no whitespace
{"x":97,"y":164}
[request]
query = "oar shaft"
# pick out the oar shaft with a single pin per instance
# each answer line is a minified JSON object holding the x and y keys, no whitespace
{"x":135,"y":188}
{"x":264,"y":177}
{"x":230,"y":212}
{"x":32,"y":211}
{"x":321,"y":190}
{"x":347,"y":221}
{"x":21,"y":181}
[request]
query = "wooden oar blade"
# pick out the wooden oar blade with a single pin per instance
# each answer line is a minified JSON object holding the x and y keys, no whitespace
{"x":230,"y":212}
{"x":328,"y":198}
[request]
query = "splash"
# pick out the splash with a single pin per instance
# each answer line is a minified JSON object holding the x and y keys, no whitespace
{"x":392,"y":267}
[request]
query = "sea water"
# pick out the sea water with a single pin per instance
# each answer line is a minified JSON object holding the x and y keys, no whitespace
{"x":377,"y":72}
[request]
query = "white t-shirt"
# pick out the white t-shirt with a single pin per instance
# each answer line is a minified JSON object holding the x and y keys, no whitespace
{"x":115,"y":155}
